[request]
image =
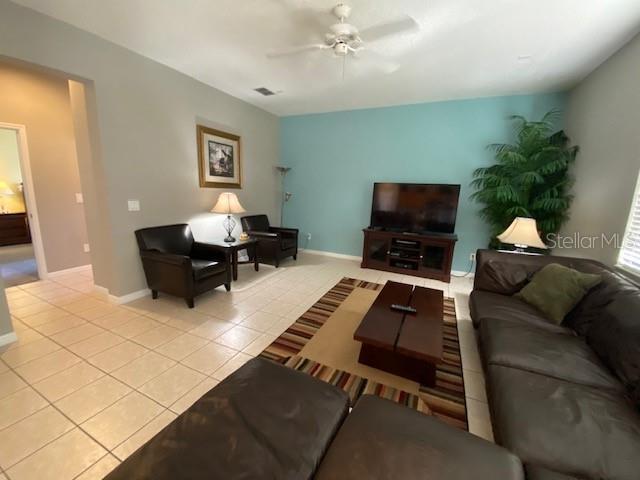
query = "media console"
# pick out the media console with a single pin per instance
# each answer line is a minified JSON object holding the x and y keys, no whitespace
{"x":423,"y":255}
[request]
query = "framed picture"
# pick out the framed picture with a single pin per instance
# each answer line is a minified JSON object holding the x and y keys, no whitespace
{"x":219,"y":160}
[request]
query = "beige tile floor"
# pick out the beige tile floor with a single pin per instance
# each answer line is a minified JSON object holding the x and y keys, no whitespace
{"x":88,"y":382}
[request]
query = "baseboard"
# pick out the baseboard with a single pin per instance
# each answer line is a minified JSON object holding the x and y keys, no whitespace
{"x":8,"y":338}
{"x":460,"y":273}
{"x":333,"y":254}
{"x":457,"y":273}
{"x":101,"y":290}
{"x":66,"y":271}
{"x":129,"y":297}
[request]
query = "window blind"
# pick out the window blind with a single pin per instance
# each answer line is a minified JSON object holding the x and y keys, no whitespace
{"x":629,"y":257}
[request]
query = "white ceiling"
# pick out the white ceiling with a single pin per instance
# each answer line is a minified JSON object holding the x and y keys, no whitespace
{"x":464,"y":49}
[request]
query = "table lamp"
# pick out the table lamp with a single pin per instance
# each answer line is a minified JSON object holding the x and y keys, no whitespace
{"x":4,"y":190}
{"x":228,"y":203}
{"x":522,"y":233}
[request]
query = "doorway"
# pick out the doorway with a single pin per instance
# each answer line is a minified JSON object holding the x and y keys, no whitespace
{"x":21,"y":255}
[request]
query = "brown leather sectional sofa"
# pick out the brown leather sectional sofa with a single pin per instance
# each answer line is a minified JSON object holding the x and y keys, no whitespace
{"x":565,"y":398}
{"x":266,"y":421}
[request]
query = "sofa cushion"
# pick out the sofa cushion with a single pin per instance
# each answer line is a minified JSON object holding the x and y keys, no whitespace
{"x":175,"y":239}
{"x":493,"y":305}
{"x":528,"y":347}
{"x":256,"y":223}
{"x":504,"y":273}
{"x":615,"y":337}
{"x":263,"y":421}
{"x":505,"y":277}
{"x":565,"y":427}
{"x":385,"y":440}
{"x":538,"y":473}
{"x":612,"y":286}
{"x":555,"y":290}
{"x":206,"y":268}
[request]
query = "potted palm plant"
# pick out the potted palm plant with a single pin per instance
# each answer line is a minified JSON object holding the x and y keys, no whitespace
{"x":529,"y":179}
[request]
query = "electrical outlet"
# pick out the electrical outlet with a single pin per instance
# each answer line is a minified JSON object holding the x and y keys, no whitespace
{"x":86,"y":248}
{"x":133,"y":205}
{"x":308,"y":236}
{"x":472,"y":257}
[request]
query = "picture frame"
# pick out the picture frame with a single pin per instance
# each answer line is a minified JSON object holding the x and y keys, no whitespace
{"x":219,"y":158}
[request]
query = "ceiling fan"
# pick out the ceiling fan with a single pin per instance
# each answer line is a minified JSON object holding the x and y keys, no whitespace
{"x":345,"y":40}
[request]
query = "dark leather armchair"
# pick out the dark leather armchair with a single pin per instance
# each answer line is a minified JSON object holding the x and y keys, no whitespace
{"x":274,"y":243}
{"x":176,"y":264}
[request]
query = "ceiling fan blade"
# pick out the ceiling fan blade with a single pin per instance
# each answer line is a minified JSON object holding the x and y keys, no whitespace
{"x":379,"y":61}
{"x":296,"y":50}
{"x":404,"y":24}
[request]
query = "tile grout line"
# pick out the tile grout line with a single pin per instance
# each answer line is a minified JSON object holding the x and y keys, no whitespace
{"x":95,"y":463}
{"x":133,"y":389}
{"x":78,"y":425}
{"x":177,"y":362}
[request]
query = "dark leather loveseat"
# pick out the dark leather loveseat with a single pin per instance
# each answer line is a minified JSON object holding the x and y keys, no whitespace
{"x":266,"y":421}
{"x":564,"y":398}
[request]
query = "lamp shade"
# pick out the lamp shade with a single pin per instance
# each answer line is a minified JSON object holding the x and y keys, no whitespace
{"x":523,"y":232}
{"x":5,"y":189}
{"x":227,"y":203}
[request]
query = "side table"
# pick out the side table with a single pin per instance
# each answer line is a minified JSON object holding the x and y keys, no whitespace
{"x":232,"y":249}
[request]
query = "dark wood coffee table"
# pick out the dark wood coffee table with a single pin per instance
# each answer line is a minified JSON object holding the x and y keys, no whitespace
{"x":408,"y":345}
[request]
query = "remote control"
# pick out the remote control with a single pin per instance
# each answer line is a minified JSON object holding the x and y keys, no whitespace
{"x":403,"y":308}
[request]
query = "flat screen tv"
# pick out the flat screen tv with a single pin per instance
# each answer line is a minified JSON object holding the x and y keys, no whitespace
{"x":415,"y":207}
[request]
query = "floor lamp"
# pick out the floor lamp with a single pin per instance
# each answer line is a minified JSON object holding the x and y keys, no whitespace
{"x":286,"y":196}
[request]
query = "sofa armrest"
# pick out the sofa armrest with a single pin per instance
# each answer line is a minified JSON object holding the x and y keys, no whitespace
{"x":208,"y":251}
{"x":167,"y":258}
{"x":263,"y":235}
{"x":286,"y":232}
{"x":168,"y":272}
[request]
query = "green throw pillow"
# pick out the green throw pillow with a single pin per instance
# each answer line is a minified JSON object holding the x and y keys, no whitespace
{"x":555,"y":290}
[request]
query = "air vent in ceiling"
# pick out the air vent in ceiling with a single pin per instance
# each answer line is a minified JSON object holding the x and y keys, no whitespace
{"x":264,"y":91}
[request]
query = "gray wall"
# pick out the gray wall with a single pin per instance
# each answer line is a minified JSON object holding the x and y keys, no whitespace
{"x":5,"y":319}
{"x":85,"y":124}
{"x":603,"y":117}
{"x":41,"y":103}
{"x":146,"y":115}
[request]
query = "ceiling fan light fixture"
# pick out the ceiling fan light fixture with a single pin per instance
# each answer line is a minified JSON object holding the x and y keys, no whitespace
{"x":341,"y":49}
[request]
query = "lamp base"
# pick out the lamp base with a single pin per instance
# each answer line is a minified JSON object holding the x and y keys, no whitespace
{"x":229,"y":224}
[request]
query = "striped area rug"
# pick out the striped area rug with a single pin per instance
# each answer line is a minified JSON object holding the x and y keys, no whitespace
{"x":446,"y":400}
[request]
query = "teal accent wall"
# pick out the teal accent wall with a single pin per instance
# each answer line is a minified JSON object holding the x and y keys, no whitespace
{"x":336,"y":158}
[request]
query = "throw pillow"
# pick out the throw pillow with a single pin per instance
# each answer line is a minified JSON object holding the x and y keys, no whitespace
{"x":505,"y":278}
{"x":555,"y":290}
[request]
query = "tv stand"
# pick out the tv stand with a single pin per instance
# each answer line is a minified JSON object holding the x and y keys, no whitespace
{"x":426,"y":255}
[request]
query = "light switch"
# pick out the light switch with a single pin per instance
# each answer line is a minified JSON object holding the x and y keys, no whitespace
{"x":86,"y":248}
{"x":79,"y":198}
{"x":134,"y":205}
